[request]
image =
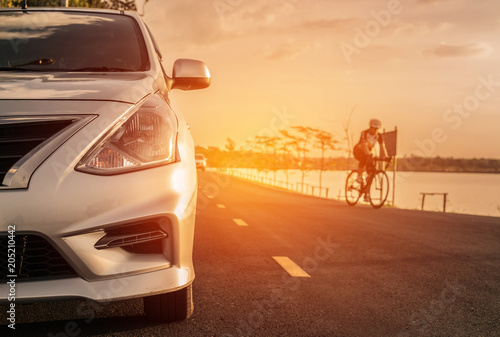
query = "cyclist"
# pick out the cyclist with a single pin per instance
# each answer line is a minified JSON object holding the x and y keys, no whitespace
{"x":364,"y":147}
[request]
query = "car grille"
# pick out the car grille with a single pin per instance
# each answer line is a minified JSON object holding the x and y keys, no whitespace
{"x":36,"y":260}
{"x":18,"y":139}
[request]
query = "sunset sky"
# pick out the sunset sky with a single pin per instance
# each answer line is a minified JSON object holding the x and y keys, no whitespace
{"x":429,"y":67}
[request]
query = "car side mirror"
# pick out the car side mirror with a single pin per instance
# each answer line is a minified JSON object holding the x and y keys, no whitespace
{"x":190,"y":75}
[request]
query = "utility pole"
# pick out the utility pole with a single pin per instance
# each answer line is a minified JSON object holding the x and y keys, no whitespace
{"x":64,"y":3}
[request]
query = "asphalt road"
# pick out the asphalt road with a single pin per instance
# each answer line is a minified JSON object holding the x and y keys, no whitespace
{"x":386,"y":272}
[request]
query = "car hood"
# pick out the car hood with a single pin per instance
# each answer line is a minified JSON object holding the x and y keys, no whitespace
{"x":118,"y":87}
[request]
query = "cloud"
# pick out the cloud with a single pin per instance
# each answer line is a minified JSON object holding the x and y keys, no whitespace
{"x":291,"y":49}
{"x":419,"y":27}
{"x":427,"y":1}
{"x":274,"y":18}
{"x":455,"y":50}
{"x":330,"y":24}
{"x":433,"y":2}
{"x":211,"y":23}
{"x":182,"y":24}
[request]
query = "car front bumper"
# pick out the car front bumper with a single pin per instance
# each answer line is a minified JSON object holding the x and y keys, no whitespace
{"x":73,"y":210}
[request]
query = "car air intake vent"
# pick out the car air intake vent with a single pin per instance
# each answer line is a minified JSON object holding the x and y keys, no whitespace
{"x":36,"y":259}
{"x":18,"y":139}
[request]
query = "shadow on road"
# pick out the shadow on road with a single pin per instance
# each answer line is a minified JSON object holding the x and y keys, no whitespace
{"x":78,"y":318}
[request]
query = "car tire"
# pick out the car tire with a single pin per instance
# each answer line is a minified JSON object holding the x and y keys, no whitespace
{"x":170,"y":307}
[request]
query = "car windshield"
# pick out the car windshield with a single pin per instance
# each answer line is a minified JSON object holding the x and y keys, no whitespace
{"x":70,"y":41}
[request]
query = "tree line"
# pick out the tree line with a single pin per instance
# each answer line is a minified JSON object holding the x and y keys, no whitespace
{"x":222,"y":158}
{"x":449,"y":164}
{"x":306,"y":148}
{"x":109,"y":4}
{"x":290,"y":149}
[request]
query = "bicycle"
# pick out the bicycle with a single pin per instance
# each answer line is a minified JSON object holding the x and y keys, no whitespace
{"x":375,"y":186}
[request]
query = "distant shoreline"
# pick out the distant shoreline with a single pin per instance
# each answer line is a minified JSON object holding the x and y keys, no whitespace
{"x":442,"y":171}
{"x":352,"y":168}
{"x":275,"y":161}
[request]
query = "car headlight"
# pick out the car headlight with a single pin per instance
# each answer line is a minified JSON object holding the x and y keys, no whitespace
{"x":145,"y":137}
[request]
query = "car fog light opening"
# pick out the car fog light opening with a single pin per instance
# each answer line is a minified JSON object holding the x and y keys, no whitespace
{"x":111,"y":241}
{"x":138,"y":237}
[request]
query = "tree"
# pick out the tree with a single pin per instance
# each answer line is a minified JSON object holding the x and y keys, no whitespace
{"x":110,"y":4}
{"x":87,"y":3}
{"x":230,"y":145}
{"x":127,"y":5}
{"x":303,"y":140}
{"x":324,"y":142}
{"x":268,"y":143}
{"x":232,"y":155}
{"x":348,"y":136}
{"x":288,"y":141}
{"x":34,"y":3}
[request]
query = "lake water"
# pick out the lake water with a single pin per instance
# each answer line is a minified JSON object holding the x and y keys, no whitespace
{"x":468,"y":193}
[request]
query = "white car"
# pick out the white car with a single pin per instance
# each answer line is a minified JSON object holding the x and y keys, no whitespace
{"x":201,"y":161}
{"x":98,"y":175}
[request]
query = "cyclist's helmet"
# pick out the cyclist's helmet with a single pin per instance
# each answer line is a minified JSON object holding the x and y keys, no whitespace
{"x":375,"y":123}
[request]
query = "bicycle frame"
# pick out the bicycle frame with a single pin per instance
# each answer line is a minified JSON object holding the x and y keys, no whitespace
{"x":377,"y":196}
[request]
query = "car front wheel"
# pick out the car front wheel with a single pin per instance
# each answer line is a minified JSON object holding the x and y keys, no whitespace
{"x":170,"y":307}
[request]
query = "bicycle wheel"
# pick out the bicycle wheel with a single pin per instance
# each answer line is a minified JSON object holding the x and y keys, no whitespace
{"x":352,"y":188}
{"x":379,"y":189}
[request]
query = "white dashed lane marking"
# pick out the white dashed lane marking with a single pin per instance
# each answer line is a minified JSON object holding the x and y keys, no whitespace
{"x":221,"y":206}
{"x":240,"y":222}
{"x":291,"y":267}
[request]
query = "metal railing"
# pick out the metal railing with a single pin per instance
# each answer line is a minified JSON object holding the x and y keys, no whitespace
{"x":298,"y":187}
